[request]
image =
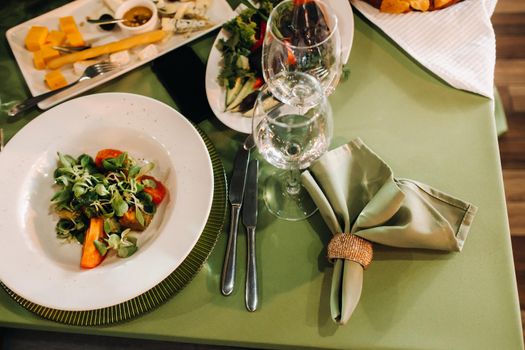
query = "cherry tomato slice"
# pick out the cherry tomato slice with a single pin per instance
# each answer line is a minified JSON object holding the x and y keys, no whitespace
{"x":105,"y":154}
{"x":158,"y":193}
{"x":258,"y":83}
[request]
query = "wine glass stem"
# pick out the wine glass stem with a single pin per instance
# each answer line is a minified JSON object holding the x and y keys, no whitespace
{"x":293,"y":182}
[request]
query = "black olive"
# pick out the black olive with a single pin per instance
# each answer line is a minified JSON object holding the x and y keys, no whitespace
{"x":108,"y":26}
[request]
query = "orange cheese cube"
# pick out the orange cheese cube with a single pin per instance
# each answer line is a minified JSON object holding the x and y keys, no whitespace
{"x":48,"y":53}
{"x":55,"y":80}
{"x":38,"y":60}
{"x":67,"y":24}
{"x":74,"y":39}
{"x":42,"y":56}
{"x":55,"y":37}
{"x":35,"y":38}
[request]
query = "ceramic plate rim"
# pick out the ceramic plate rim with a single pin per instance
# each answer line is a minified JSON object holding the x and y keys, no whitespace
{"x":166,"y":251}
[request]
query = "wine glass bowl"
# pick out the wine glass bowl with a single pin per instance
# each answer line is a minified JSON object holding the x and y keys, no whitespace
{"x":302,"y":35}
{"x":290,"y":137}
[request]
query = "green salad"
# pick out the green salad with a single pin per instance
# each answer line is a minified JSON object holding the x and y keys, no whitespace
{"x":101,"y":200}
{"x":241,"y":71}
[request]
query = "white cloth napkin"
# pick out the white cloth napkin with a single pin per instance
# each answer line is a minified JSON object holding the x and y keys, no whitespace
{"x":457,"y":43}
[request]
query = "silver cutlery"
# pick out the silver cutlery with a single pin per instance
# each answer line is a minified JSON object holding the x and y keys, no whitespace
{"x":249,"y":142}
{"x":105,"y":19}
{"x":70,"y":49}
{"x":90,"y":72}
{"x":249,"y":219}
{"x":319,"y":72}
{"x":235,"y":195}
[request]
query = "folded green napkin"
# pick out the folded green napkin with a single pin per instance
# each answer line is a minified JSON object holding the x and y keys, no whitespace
{"x":357,"y":193}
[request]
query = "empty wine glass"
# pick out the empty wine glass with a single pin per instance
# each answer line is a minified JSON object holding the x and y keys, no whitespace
{"x":290,"y":137}
{"x":302,"y":36}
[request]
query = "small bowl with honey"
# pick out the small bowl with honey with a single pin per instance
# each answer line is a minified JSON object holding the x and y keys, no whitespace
{"x":138,"y":16}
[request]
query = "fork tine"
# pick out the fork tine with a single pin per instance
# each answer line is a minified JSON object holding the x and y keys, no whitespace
{"x":105,"y":63}
{"x":101,"y":68}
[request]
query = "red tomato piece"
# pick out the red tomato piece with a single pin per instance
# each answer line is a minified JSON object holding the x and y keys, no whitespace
{"x":260,"y":37}
{"x":258,"y":83}
{"x":301,"y":2}
{"x":105,"y":154}
{"x":289,"y":52}
{"x":158,"y":193}
{"x":291,"y":57}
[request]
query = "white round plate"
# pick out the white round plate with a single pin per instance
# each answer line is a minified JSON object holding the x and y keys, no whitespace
{"x":35,"y":264}
{"x":216,"y":93}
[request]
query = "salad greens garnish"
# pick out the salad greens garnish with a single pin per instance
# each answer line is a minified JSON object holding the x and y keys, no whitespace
{"x":113,"y":188}
{"x":241,"y":73}
{"x":236,"y":48}
{"x":244,"y":31}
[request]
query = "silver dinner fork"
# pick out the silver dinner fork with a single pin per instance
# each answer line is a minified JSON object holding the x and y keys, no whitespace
{"x":89,"y":73}
{"x":319,"y":72}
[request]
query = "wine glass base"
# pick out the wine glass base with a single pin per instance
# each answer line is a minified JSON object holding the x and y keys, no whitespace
{"x":291,"y":207}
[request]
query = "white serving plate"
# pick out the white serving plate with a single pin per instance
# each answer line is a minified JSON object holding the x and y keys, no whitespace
{"x":216,"y":93}
{"x":218,"y":13}
{"x":42,"y":269}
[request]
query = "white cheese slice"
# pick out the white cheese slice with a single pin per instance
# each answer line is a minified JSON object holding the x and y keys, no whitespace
{"x":201,"y":7}
{"x":167,"y":24}
{"x":121,"y":58}
{"x":80,"y":66}
{"x":148,"y":52}
{"x":169,"y":8}
{"x":181,"y":11}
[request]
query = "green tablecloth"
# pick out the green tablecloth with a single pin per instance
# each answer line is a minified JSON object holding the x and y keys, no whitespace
{"x":412,"y":299}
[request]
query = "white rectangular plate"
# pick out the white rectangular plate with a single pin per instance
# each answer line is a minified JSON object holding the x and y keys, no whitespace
{"x":218,"y":13}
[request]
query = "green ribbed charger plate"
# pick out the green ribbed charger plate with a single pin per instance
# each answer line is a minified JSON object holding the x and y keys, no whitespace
{"x":166,"y":289}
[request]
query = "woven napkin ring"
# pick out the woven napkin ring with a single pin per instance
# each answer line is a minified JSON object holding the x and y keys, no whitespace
{"x":351,"y":247}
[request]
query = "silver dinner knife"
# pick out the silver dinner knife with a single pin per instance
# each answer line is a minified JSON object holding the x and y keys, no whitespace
{"x":249,"y":219}
{"x":235,"y":195}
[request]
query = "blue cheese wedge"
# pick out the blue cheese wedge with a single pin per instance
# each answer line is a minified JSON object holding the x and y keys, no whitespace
{"x":184,"y":9}
{"x":179,"y":26}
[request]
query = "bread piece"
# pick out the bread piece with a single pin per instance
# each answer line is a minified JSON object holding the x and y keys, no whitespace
{"x":441,"y":4}
{"x":403,"y":6}
{"x":420,"y":5}
{"x":394,"y":6}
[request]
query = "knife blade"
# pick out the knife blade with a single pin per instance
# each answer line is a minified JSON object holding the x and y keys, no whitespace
{"x":235,"y":195}
{"x":249,"y":219}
